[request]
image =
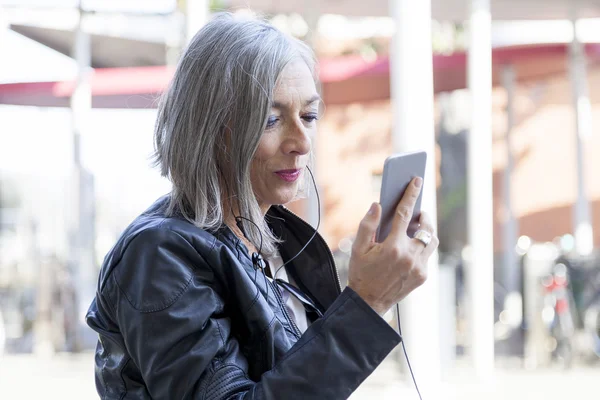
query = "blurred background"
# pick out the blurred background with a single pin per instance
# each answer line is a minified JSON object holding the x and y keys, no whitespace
{"x":504,"y":95}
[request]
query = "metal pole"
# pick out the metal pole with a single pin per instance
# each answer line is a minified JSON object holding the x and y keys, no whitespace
{"x":197,"y":13}
{"x":3,"y":33}
{"x":413,"y":129}
{"x":511,"y":227}
{"x":311,"y":15}
{"x":175,"y":38}
{"x":480,"y":274}
{"x":582,"y":218}
{"x":82,"y":227}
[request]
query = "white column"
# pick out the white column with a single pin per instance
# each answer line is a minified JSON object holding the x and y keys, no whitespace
{"x":81,"y":226}
{"x":2,"y":335}
{"x":175,"y":38}
{"x":4,"y":25}
{"x":480,"y":268}
{"x":413,"y":129}
{"x":583,"y":230}
{"x":197,"y":13}
{"x":4,"y":28}
{"x":311,"y":15}
{"x":511,"y":226}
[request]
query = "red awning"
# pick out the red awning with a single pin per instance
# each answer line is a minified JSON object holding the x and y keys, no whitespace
{"x":345,"y":79}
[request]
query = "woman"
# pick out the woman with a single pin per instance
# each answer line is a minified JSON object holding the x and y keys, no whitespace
{"x":186,"y":305}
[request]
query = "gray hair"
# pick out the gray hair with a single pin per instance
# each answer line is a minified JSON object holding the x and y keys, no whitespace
{"x":212,"y":116}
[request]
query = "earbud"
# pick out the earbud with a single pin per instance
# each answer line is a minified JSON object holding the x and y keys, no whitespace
{"x":257,"y":261}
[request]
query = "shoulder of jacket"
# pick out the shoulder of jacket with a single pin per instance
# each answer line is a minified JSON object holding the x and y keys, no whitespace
{"x":153,"y":264}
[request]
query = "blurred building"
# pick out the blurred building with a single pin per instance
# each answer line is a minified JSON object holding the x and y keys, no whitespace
{"x":132,"y":56}
{"x":354,"y":136}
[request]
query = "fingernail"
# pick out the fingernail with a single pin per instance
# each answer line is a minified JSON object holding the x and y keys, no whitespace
{"x":418,"y":182}
{"x":372,"y":209}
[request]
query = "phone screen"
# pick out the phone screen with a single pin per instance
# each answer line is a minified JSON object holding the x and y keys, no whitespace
{"x":398,"y":171}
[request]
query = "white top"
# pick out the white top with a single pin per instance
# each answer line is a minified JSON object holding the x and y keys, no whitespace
{"x":293,"y":305}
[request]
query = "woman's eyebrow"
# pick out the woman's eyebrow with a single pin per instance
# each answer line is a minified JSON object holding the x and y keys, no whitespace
{"x":277,"y":104}
{"x":313,"y":99}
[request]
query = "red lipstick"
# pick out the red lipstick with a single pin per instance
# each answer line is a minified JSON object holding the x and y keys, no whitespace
{"x":289,"y":175}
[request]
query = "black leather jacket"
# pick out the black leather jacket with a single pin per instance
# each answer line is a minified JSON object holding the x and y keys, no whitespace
{"x":180,"y":315}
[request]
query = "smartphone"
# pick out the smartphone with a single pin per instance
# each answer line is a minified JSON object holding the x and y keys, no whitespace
{"x":398,"y":171}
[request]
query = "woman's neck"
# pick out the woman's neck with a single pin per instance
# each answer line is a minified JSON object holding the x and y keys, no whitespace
{"x":231,"y":222}
{"x":232,"y":215}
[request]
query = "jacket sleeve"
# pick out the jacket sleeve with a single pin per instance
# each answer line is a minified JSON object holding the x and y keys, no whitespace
{"x":172,"y":319}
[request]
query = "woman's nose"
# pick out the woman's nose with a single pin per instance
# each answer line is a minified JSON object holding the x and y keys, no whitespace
{"x":297,"y":140}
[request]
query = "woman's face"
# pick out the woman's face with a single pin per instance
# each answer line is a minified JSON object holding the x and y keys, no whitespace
{"x":283,"y":152}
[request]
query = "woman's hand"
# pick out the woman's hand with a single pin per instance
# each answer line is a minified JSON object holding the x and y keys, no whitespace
{"x":385,"y":273}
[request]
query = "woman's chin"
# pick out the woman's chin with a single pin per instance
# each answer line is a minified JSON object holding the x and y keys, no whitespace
{"x":284,"y":197}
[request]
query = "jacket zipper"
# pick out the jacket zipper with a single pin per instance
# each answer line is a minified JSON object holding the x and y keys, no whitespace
{"x":335,"y":272}
{"x":283,"y":307}
{"x":318,"y":235}
{"x":297,"y":331}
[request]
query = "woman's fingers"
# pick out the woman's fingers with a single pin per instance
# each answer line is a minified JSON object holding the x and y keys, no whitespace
{"x":426,"y":225}
{"x":385,"y":273}
{"x":430,"y":248}
{"x":405,"y":209}
{"x":365,"y":236}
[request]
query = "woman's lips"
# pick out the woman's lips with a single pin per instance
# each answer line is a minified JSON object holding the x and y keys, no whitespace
{"x":289,"y":175}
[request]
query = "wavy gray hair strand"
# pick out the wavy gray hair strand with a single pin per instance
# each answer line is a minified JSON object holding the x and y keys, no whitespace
{"x":212,"y":116}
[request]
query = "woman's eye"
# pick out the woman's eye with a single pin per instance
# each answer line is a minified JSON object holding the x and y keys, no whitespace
{"x":310,"y":117}
{"x":272,"y":121}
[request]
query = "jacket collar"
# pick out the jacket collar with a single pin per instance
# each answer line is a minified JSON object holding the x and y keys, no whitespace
{"x":313,"y":269}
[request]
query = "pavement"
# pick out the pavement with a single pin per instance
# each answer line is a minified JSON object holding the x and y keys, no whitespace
{"x":68,"y":376}
{"x":508,"y":383}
